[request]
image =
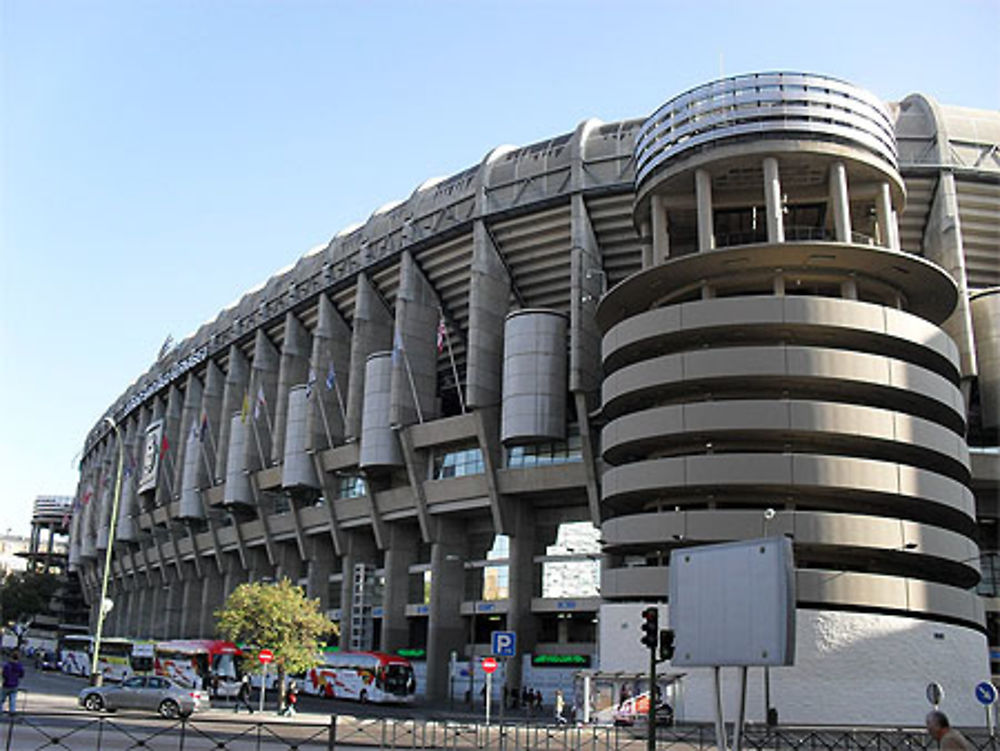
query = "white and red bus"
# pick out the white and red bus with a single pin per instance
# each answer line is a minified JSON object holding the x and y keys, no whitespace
{"x":363,"y":676}
{"x":114,"y":662}
{"x":200,"y":663}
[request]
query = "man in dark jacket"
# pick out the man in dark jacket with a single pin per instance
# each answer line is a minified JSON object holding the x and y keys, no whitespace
{"x":13,"y":672}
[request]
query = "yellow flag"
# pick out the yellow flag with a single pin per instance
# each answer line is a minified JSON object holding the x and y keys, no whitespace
{"x":246,"y":407}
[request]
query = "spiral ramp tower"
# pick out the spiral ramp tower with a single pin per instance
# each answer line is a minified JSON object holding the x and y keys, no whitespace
{"x":778,"y":367}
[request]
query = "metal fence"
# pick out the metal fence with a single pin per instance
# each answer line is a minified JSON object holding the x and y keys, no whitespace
{"x":36,"y":731}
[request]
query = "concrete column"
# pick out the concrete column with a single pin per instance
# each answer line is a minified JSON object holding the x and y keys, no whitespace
{"x":772,"y":201}
{"x":359,"y":548}
{"x":646,"y":244}
{"x":489,"y":293}
{"x":445,"y":630}
{"x":126,"y":529}
{"x":399,"y":556}
{"x":294,"y":370}
{"x":703,"y":198}
{"x":331,"y":369}
{"x":263,"y":382}
{"x":213,"y":597}
{"x":174,"y":606}
{"x":414,"y":375}
{"x":521,"y":576}
{"x":840,"y":203}
{"x":138,"y":610}
{"x":660,"y":229}
{"x":883,"y":214}
{"x":321,"y":561}
{"x":288,"y":562}
{"x":235,"y":574}
{"x":586,"y":286}
{"x":372,"y":333}
{"x":235,"y":389}
{"x":189,"y":618}
{"x":168,"y":484}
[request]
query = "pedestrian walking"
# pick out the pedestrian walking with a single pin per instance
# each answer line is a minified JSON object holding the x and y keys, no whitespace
{"x":291,"y":699}
{"x":560,"y":705}
{"x":13,"y":672}
{"x":947,"y":737}
{"x":243,"y":696}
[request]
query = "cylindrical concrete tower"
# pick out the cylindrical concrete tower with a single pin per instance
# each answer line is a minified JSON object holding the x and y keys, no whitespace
{"x":779,"y":352}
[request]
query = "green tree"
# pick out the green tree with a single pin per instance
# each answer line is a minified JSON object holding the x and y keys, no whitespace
{"x":278,"y":617}
{"x":25,"y":594}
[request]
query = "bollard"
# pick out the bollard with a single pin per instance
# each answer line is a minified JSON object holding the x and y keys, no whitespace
{"x":331,"y":736}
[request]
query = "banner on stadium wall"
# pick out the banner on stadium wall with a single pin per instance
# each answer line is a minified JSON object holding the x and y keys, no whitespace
{"x":151,"y":455}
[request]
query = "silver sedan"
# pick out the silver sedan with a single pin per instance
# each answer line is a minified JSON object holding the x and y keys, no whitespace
{"x":145,"y":692}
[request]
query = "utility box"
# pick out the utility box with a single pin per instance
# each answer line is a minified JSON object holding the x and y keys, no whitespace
{"x":733,"y":604}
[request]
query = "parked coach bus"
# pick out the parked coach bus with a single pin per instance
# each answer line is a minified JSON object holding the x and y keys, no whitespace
{"x":114,"y":662}
{"x":364,"y":676}
{"x":200,"y":663}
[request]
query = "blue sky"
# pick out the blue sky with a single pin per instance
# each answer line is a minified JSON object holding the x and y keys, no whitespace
{"x":159,"y":158}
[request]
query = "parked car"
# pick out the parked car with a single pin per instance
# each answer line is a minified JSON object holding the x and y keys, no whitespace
{"x":636,"y":709}
{"x":151,"y":693}
{"x":48,"y":661}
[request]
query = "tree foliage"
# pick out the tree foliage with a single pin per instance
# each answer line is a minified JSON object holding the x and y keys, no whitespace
{"x":278,"y":617}
{"x":25,"y":594}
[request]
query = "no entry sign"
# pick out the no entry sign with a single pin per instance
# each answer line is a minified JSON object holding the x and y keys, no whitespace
{"x":265,"y":656}
{"x":489,"y":665}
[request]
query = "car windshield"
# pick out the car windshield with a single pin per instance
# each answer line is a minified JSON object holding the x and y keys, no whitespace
{"x":135,"y":682}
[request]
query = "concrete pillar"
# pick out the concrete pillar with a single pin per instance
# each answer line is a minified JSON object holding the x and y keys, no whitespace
{"x":294,"y":370}
{"x":263,"y":396}
{"x":288,"y":564}
{"x":414,"y":374}
{"x":646,"y":244}
{"x":126,"y":530}
{"x":372,"y":333}
{"x":883,"y":214}
{"x":320,"y":566}
{"x":586,"y":286}
{"x":489,"y":293}
{"x":772,"y":201}
{"x":399,"y":556}
{"x":660,"y":229}
{"x":213,"y":597}
{"x":234,"y":573}
{"x":445,"y":631}
{"x":331,"y":370}
{"x":359,"y":547}
{"x":168,"y":484}
{"x":235,"y":389}
{"x":174,"y":601}
{"x":140,"y":606}
{"x":189,"y":618}
{"x":703,"y":198}
{"x":521,"y":577}
{"x":840,"y":203}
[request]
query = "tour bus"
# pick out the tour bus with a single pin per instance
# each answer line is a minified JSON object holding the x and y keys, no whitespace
{"x":200,"y":663}
{"x":114,"y":662}
{"x":364,"y":676}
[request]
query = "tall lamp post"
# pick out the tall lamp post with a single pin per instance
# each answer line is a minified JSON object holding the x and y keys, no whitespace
{"x":95,"y":675}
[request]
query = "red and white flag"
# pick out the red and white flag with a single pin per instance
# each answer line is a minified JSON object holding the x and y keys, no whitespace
{"x":442,"y":333}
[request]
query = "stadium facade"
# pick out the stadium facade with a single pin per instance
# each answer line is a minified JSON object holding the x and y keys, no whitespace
{"x":501,"y":403}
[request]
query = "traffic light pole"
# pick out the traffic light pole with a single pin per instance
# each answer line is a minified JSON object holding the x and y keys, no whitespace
{"x":651,"y":735}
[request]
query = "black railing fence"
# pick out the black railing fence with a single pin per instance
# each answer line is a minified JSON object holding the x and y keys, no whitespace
{"x":26,"y":731}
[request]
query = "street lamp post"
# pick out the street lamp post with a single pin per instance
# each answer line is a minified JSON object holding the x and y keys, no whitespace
{"x":95,"y":676}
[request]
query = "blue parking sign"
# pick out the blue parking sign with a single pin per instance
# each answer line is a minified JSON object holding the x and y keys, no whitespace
{"x":504,"y":643}
{"x":986,"y":693}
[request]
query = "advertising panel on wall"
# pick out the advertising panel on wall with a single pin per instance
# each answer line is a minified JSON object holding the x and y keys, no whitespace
{"x":150,"y":456}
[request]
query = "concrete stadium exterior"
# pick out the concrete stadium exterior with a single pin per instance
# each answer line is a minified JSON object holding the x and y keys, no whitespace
{"x":774,"y":293}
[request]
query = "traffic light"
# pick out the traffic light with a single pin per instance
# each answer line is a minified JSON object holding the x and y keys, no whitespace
{"x":650,"y":627}
{"x":666,"y":644}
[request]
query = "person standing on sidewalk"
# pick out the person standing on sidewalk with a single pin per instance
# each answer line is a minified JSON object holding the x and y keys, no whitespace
{"x":13,"y":672}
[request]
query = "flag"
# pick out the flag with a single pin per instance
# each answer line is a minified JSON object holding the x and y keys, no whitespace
{"x":204,"y":425}
{"x":310,"y":382}
{"x":331,"y":377}
{"x":194,"y":431}
{"x":442,"y":333}
{"x":245,"y":409}
{"x":261,"y":402}
{"x":164,"y":445}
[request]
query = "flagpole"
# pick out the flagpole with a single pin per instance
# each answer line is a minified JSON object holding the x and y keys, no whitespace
{"x":260,"y":449}
{"x":340,"y":403}
{"x":208,"y":426}
{"x":454,"y":368}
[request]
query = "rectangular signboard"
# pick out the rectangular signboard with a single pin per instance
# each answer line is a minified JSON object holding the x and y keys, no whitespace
{"x":151,"y":453}
{"x":734,"y":603}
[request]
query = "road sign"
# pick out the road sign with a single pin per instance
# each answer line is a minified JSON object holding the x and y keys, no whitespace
{"x":265,"y":656}
{"x":986,"y":693}
{"x":504,"y":643}
{"x":935,"y":694}
{"x":489,"y":665}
